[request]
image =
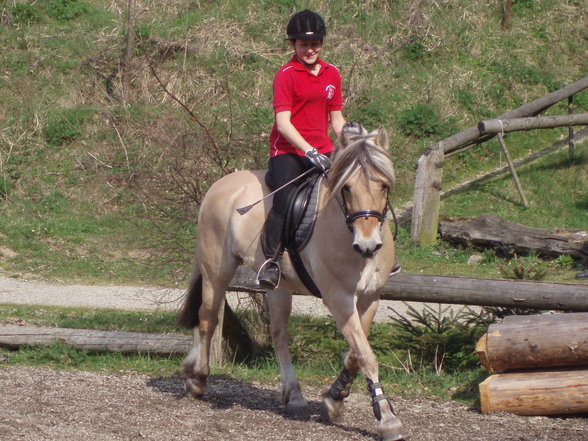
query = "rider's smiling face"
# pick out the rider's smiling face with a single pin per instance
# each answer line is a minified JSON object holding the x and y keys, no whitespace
{"x":307,"y":51}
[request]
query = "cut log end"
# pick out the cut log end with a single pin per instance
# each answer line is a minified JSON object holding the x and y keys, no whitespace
{"x":535,"y":342}
{"x":482,"y":352}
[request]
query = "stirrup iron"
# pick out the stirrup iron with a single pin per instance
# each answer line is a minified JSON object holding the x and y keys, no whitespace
{"x":262,"y":268}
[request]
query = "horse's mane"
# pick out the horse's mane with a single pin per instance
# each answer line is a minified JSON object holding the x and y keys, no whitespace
{"x":360,"y":154}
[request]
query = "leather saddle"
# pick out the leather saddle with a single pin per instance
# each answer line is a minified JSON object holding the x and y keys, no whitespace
{"x":301,"y":215}
{"x":299,"y":225}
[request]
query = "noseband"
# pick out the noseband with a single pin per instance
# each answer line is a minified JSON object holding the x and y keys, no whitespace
{"x":351,"y":217}
{"x":380,"y":215}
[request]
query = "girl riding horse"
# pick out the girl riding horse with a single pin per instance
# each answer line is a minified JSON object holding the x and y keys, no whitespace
{"x":349,"y":258}
{"x":307,"y":97}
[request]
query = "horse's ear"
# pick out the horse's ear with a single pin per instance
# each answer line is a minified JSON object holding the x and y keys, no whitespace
{"x":349,"y":132}
{"x":382,"y":138}
{"x":344,"y":139}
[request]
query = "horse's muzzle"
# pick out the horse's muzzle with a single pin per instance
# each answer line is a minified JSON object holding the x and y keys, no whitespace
{"x":366,"y":237}
{"x":367,"y":253}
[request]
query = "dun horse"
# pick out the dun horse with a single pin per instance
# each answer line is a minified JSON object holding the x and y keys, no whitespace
{"x":349,"y":258}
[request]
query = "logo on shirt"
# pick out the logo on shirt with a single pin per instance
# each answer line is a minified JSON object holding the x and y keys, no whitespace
{"x":330,"y":89}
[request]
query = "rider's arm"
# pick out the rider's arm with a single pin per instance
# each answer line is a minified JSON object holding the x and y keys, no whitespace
{"x":337,"y":121}
{"x":288,"y":131}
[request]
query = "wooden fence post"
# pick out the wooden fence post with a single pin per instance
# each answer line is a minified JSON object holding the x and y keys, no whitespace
{"x":427,"y":195}
{"x":570,"y":128}
{"x":507,"y":7}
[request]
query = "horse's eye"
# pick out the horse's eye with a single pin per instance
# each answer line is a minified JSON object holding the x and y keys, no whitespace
{"x":385,"y":188}
{"x":346,"y":188}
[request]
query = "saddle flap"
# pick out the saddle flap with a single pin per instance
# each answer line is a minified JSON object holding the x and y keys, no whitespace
{"x":301,"y":215}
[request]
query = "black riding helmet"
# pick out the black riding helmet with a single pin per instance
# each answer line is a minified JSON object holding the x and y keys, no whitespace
{"x":306,"y":25}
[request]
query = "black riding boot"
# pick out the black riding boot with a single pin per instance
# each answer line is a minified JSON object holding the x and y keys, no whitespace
{"x":269,"y":273}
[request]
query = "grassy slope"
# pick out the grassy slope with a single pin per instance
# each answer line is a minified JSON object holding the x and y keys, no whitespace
{"x":95,"y":187}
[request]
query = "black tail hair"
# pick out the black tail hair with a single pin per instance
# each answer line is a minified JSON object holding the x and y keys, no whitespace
{"x":188,"y":317}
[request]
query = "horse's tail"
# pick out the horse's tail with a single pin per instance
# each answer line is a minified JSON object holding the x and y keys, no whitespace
{"x":188,"y":317}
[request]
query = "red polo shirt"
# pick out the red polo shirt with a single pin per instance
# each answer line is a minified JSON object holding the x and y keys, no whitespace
{"x":310,"y":98}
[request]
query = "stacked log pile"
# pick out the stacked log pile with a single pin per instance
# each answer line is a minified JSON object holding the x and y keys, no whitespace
{"x":539,"y":365}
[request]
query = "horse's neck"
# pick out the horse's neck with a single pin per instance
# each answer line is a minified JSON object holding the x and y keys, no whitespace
{"x":331,"y":231}
{"x":331,"y":211}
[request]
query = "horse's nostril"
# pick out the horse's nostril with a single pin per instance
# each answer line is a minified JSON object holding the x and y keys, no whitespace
{"x":378,"y":246}
{"x":356,"y":248}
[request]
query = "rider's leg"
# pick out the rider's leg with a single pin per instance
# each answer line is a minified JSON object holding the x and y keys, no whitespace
{"x":281,"y":169}
{"x":269,"y":273}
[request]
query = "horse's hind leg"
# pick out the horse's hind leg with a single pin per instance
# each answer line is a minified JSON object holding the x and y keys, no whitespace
{"x":196,"y":365}
{"x":280,"y":307}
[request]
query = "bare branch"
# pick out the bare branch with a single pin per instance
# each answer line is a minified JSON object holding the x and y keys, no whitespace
{"x":184,"y":106}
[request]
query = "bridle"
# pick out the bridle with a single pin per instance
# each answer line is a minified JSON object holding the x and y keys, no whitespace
{"x":380,"y":215}
{"x":352,"y":217}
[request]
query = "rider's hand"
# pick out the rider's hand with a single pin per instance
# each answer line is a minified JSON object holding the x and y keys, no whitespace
{"x":319,"y":160}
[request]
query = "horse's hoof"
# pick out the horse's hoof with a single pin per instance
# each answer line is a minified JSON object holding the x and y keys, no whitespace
{"x":298,"y":409}
{"x":195,"y":386}
{"x":393,"y":431}
{"x":330,"y":410}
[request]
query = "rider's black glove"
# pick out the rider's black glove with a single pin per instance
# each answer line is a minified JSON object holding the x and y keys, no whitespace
{"x":319,"y":160}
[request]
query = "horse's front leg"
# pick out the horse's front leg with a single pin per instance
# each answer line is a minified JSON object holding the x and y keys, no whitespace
{"x":390,"y":427}
{"x":333,"y":396}
{"x":280,"y":307}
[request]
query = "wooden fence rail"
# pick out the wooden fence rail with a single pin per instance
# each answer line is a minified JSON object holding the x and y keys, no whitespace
{"x":428,"y":181}
{"x":467,"y":291}
{"x":96,"y":340}
{"x":541,"y":122}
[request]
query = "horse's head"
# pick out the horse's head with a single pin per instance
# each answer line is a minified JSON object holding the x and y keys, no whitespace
{"x":362,"y":174}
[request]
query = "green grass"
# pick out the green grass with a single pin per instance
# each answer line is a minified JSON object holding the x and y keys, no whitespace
{"x":86,"y":318}
{"x":61,"y":356}
{"x":94,"y":187}
{"x":554,"y":187}
{"x":459,"y":386}
{"x":90,"y":246}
